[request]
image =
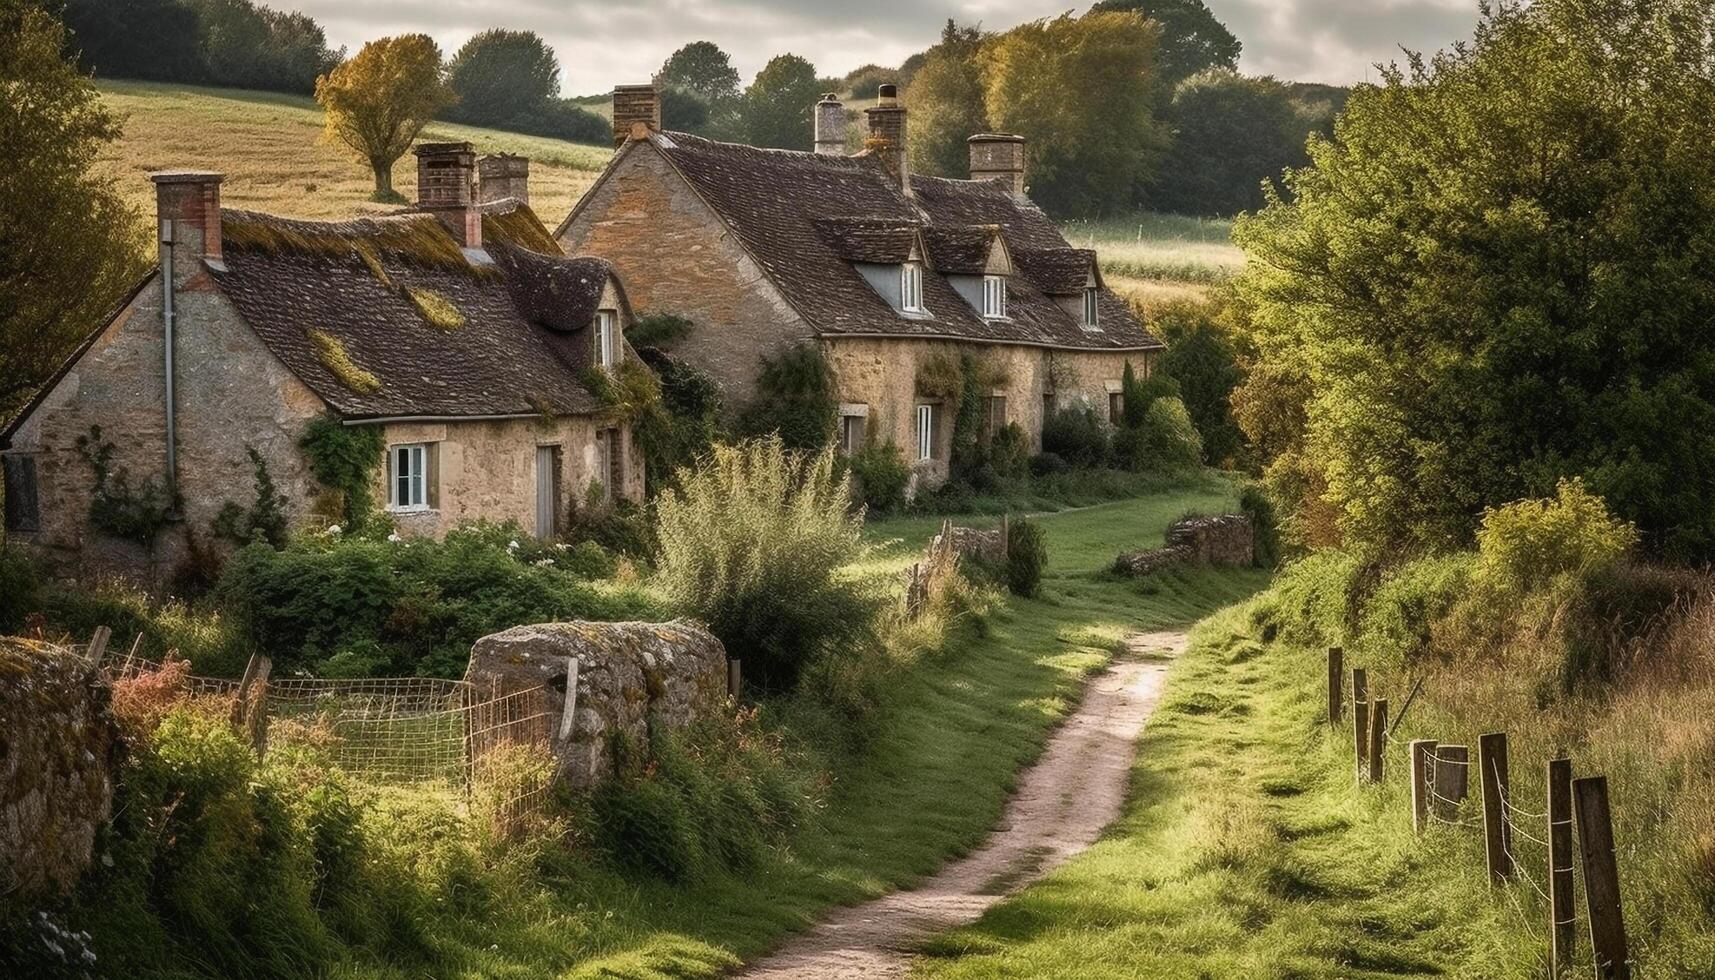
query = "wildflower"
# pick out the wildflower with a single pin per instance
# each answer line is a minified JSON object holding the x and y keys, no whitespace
{"x":543,"y":563}
{"x":334,"y":529}
{"x":394,"y":537}
{"x":511,"y":546}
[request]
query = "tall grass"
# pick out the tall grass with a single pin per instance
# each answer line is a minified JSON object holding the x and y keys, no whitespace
{"x":1160,"y":246}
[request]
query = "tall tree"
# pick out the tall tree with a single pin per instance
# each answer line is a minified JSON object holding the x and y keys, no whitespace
{"x":69,"y":245}
{"x":778,"y":104}
{"x":1501,"y":274}
{"x":1080,"y":90}
{"x":702,"y":69}
{"x":379,"y":101}
{"x":152,"y":39}
{"x":1230,"y":134}
{"x":499,"y":75}
{"x":946,"y":103}
{"x":1192,"y":39}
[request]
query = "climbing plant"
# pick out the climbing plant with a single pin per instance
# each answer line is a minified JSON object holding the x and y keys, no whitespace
{"x":344,"y":459}
{"x":264,"y":520}
{"x":794,"y":399}
{"x":116,"y":508}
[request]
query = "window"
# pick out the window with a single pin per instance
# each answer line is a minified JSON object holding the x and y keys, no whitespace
{"x":1092,"y":308}
{"x":606,"y":344}
{"x":1116,"y":407}
{"x":925,"y":432}
{"x":996,"y":418}
{"x":994,"y":297}
{"x":851,"y":434}
{"x":23,"y":510}
{"x":408,"y":477}
{"x":911,"y":287}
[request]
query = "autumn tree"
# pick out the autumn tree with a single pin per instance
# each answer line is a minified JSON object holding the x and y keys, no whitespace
{"x":379,"y":101}
{"x":70,"y":247}
{"x":945,"y":99}
{"x":778,"y":104}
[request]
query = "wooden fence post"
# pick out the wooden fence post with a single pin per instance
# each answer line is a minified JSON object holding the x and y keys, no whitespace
{"x":1452,"y":772}
{"x":1005,"y":536}
{"x":1601,"y":878}
{"x":240,"y":704}
{"x":1336,"y":683}
{"x":734,"y":679}
{"x":1497,"y":827}
{"x":1378,"y":738}
{"x":1360,"y":718}
{"x":1422,"y":755}
{"x":98,"y":645}
{"x":256,"y":710}
{"x":1562,"y":903}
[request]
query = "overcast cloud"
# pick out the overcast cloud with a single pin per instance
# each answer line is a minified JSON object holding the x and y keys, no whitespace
{"x":605,"y":42}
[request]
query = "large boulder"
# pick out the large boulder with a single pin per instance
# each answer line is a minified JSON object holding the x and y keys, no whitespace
{"x":633,"y":679}
{"x":57,"y":747}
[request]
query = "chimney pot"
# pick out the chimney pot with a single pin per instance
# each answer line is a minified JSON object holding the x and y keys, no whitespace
{"x":998,"y":156}
{"x":887,"y":94}
{"x":445,"y":186}
{"x":887,"y":136}
{"x":187,"y":202}
{"x":830,"y":126}
{"x":634,"y":104}
{"x":501,"y":176}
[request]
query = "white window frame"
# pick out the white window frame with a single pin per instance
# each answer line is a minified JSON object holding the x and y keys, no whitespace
{"x":925,"y":432}
{"x":852,"y":433}
{"x":408,"y":477}
{"x":994,"y":297}
{"x":606,"y":326}
{"x":1092,"y":308}
{"x":911,"y":287}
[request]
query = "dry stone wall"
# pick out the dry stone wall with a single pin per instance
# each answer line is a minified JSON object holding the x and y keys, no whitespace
{"x":633,"y":679}
{"x":1228,"y":539}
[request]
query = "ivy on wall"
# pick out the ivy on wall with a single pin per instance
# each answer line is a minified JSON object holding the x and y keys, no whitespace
{"x":116,"y":508}
{"x":344,"y":459}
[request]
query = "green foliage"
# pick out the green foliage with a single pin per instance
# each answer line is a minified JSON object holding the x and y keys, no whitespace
{"x":968,"y":456}
{"x":866,"y":81}
{"x":661,"y":330}
{"x":1026,"y":557}
{"x":776,"y":107}
{"x":702,"y":69}
{"x":499,"y":75}
{"x":379,"y":101}
{"x":882,"y":475}
{"x":19,"y":584}
{"x":1494,"y":277}
{"x":58,"y":279}
{"x":1202,"y":361}
{"x":1077,"y":434}
{"x":795,"y":399}
{"x":946,"y":103}
{"x":264,"y":520}
{"x":1169,"y":439}
{"x":686,"y":424}
{"x":1255,"y":503}
{"x":1398,"y":617}
{"x":116,"y":508}
{"x":1231,"y":133}
{"x":1524,"y":546}
{"x":617,"y":526}
{"x":222,"y":42}
{"x":1009,"y":451}
{"x":1313,"y":600}
{"x":754,"y":543}
{"x":345,"y":460}
{"x":1192,"y":39}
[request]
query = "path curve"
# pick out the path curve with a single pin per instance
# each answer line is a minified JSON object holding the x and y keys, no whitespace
{"x":1063,"y":802}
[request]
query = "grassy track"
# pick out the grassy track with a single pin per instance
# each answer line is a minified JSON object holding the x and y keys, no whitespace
{"x":929,"y":786}
{"x":1248,"y":851}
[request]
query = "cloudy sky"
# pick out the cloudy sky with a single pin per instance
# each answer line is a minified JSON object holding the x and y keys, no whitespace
{"x":604,"y":42}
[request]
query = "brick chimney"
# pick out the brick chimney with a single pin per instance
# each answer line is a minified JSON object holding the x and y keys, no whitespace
{"x":887,"y":135}
{"x":446,"y":188}
{"x":502,"y":175}
{"x":189,"y":201}
{"x":634,"y":104}
{"x":830,"y":126}
{"x":998,"y":156}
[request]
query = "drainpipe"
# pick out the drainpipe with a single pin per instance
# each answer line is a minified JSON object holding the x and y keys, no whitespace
{"x":167,"y":316}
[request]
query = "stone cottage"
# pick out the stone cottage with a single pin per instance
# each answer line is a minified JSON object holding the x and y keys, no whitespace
{"x":894,"y":274}
{"x":457,"y":327}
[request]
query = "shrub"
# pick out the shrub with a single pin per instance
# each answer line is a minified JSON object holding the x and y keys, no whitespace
{"x":1313,"y":599}
{"x":1256,"y":505}
{"x":753,"y":544}
{"x":1524,"y":546}
{"x":795,"y":400}
{"x":617,"y":526}
{"x":882,"y":475}
{"x":1076,"y":434}
{"x":1170,"y":440}
{"x":1398,"y":618}
{"x":1009,"y":451}
{"x":344,"y":459}
{"x":1026,"y":557}
{"x":1048,"y":464}
{"x":19,"y":585}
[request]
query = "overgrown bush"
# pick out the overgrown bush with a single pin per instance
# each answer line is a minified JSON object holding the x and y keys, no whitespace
{"x":1399,"y":617}
{"x":753,"y":544}
{"x":344,"y":459}
{"x":19,"y":582}
{"x":1314,"y":599}
{"x":882,"y":475}
{"x":795,"y":400}
{"x":1026,"y":557}
{"x":1076,"y":434}
{"x":1524,"y":546}
{"x":1009,"y":451}
{"x":1170,"y":440}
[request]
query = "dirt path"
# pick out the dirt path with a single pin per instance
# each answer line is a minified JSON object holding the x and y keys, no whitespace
{"x":1073,"y":791}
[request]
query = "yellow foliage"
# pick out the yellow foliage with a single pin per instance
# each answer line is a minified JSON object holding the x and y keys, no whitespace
{"x":435,"y":308}
{"x":379,"y":101}
{"x":337,"y":360}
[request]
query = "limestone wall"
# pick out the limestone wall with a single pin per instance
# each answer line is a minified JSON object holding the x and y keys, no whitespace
{"x":1228,"y":539}
{"x":57,"y":744}
{"x":633,"y":679}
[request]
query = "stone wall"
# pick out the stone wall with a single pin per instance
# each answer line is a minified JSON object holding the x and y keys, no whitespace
{"x":1225,"y":540}
{"x":983,"y":544}
{"x":633,"y":679}
{"x":57,"y":744}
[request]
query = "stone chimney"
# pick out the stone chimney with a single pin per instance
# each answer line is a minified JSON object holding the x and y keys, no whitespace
{"x":830,"y":126}
{"x":446,"y":188}
{"x":502,"y":175}
{"x":998,"y":156}
{"x":188,"y":205}
{"x":887,"y":135}
{"x":634,"y":104}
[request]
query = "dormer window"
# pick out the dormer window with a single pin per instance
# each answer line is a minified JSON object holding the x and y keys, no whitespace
{"x":1092,"y":308}
{"x":994,"y":297}
{"x":911,"y":287}
{"x":606,"y":338}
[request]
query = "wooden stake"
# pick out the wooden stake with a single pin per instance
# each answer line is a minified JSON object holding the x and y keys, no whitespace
{"x":98,"y":645}
{"x":1452,"y":774}
{"x":1562,"y":903}
{"x":1601,"y":878}
{"x":1422,"y":758}
{"x":1336,"y":683}
{"x":1361,"y":719}
{"x":1378,"y":738}
{"x":734,"y":679}
{"x":256,"y":712}
{"x":1497,"y":828}
{"x":240,"y":704}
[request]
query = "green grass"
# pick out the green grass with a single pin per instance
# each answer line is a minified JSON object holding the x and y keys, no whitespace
{"x":1161,"y":246}
{"x":928,"y":786}
{"x":1247,"y":850}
